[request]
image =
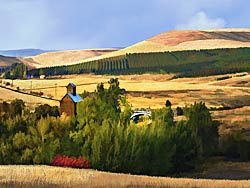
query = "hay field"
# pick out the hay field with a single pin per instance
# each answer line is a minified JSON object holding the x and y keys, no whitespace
{"x":14,"y":176}
{"x":31,"y":101}
{"x":153,"y":90}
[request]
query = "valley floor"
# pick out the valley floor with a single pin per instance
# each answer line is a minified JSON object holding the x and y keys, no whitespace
{"x":231,"y":91}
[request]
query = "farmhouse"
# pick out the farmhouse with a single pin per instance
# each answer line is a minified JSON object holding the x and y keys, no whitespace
{"x":69,"y":101}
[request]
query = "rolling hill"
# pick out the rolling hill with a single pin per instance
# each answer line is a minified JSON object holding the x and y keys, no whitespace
{"x":23,"y":52}
{"x":67,"y":57}
{"x":54,"y":58}
{"x":6,"y":61}
{"x":191,"y":52}
{"x":172,"y":51}
{"x":179,"y":40}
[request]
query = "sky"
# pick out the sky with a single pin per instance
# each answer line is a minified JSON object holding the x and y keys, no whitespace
{"x":86,"y":24}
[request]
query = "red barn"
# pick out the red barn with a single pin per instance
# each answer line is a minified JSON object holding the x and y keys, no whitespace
{"x":69,"y":101}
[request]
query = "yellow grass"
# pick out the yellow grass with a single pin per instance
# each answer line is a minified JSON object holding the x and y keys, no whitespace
{"x":210,"y":44}
{"x":13,"y":176}
{"x":147,"y":90}
{"x":67,"y":57}
{"x":233,"y":120}
{"x":31,"y":101}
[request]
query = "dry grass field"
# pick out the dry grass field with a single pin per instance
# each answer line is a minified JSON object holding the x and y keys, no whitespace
{"x":31,"y":101}
{"x":67,"y":57}
{"x":14,"y":176}
{"x":152,"y":90}
{"x":58,"y":58}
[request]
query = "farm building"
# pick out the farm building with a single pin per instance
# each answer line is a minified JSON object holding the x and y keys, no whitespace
{"x":69,"y":101}
{"x":138,"y":113}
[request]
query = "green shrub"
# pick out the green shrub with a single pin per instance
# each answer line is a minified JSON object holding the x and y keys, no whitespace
{"x":235,"y":146}
{"x":179,"y":111}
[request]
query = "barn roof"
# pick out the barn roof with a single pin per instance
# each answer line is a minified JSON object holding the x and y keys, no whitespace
{"x":140,"y":113}
{"x":72,"y":84}
{"x":75,"y":98}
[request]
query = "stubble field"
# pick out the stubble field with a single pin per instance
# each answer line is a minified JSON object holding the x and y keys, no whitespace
{"x":13,"y":176}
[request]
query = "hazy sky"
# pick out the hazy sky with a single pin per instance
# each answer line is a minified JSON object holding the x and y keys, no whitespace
{"x":80,"y":24}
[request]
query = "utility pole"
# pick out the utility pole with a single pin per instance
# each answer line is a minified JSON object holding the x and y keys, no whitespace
{"x":55,"y":90}
{"x":31,"y":86}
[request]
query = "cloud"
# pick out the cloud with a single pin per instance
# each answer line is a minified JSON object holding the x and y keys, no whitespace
{"x":201,"y":21}
{"x":77,"y":24}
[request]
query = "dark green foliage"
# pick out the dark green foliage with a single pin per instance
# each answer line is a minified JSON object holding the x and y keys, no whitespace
{"x":41,"y":72}
{"x":11,"y":110}
{"x":163,"y":116}
{"x":187,"y":148}
{"x":24,"y":139}
{"x":200,"y":120}
{"x":17,"y":107}
{"x":235,"y":146}
{"x":46,"y":110}
{"x":179,"y":111}
{"x":16,"y":70}
{"x":168,"y":103}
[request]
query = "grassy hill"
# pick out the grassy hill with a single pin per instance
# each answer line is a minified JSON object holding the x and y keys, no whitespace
{"x":179,"y":40}
{"x":48,"y":59}
{"x":67,"y":57}
{"x":7,"y":61}
{"x":23,"y":52}
{"x":191,"y":52}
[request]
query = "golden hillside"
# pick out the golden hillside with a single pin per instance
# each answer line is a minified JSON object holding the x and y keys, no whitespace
{"x":178,"y":40}
{"x":66,"y":57}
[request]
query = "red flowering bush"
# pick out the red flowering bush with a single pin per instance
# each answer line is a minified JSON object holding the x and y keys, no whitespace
{"x":72,"y":162}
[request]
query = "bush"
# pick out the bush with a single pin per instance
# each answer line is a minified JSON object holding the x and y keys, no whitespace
{"x":72,"y":162}
{"x":45,"y":109}
{"x":234,"y":146}
{"x":179,"y":111}
{"x":204,"y":128}
{"x":168,"y":103}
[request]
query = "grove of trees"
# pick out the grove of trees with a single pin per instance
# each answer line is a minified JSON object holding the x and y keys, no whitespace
{"x":16,"y":70}
{"x":103,"y":134}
